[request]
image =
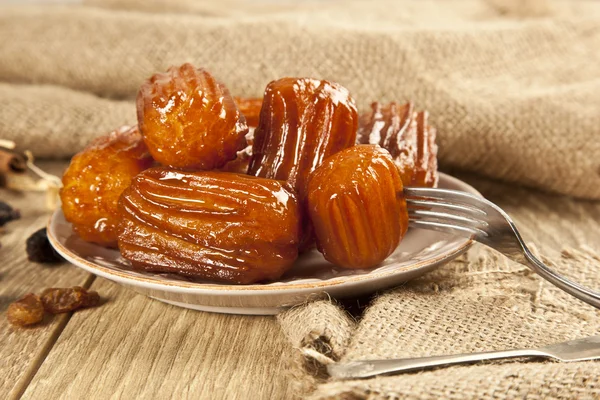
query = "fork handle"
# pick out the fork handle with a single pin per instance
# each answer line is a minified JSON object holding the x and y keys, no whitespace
{"x":574,"y":289}
{"x":368,"y":368}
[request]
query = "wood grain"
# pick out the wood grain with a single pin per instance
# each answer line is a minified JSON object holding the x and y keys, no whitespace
{"x":22,"y":350}
{"x":135,"y":347}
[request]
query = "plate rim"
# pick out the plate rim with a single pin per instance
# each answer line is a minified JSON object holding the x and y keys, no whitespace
{"x":216,"y":289}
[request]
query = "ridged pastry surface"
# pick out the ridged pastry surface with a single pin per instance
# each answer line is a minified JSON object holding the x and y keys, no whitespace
{"x":409,"y":138}
{"x":189,"y":120}
{"x":357,"y":207}
{"x":214,"y":226}
{"x":96,"y":178}
{"x":302,"y":122}
{"x":250,"y":107}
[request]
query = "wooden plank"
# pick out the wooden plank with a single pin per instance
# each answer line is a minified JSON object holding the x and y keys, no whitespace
{"x":23,"y":350}
{"x":135,"y":347}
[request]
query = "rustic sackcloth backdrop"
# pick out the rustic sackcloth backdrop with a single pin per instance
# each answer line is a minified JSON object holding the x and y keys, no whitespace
{"x":514,"y":92}
{"x":512,"y":86}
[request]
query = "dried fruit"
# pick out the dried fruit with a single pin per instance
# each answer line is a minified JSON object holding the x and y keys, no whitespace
{"x":189,"y":120}
{"x":303,"y":121}
{"x":62,"y":300}
{"x":209,"y":225}
{"x":250,"y":107}
{"x":26,"y":311}
{"x":39,"y":248}
{"x":96,"y":178}
{"x":407,"y":136}
{"x":7,"y":213}
{"x":357,"y":207}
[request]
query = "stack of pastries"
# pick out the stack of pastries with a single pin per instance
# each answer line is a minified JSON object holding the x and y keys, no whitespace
{"x":225,"y":189}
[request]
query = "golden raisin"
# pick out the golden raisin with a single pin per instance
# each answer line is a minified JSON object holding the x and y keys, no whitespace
{"x":96,"y":178}
{"x":189,"y":120}
{"x":209,"y":225}
{"x":62,"y":300}
{"x":26,"y":311}
{"x":408,"y":137}
{"x":357,"y":206}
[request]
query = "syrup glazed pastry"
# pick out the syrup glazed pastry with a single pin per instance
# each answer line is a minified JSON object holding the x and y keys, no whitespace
{"x":250,"y":107}
{"x":209,"y":225}
{"x":357,"y":207}
{"x":236,"y":205}
{"x":96,"y":178}
{"x":408,"y":137}
{"x":302,"y":122}
{"x":189,"y":120}
{"x":241,"y":162}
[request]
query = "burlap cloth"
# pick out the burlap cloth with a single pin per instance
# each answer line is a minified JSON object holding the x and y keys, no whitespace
{"x":513,"y":89}
{"x":478,"y":302}
{"x":512,"y":86}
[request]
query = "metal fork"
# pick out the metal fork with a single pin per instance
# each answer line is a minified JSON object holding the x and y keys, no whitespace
{"x":574,"y":350}
{"x":474,"y":217}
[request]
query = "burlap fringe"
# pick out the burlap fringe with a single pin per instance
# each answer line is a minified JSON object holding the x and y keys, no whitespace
{"x":319,"y":332}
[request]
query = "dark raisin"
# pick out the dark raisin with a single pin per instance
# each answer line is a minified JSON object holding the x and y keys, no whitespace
{"x":7,"y":213}
{"x":39,"y":249}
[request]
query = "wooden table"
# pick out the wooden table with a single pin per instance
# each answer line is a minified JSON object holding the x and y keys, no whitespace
{"x":130,"y":346}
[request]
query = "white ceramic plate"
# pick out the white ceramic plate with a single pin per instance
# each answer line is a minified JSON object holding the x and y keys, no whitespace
{"x":311,"y":276}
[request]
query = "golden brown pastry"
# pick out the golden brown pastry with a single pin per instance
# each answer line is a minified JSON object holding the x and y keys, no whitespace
{"x":210,"y":225}
{"x":250,"y":107}
{"x":189,"y":120}
{"x":302,"y":122}
{"x":357,"y":207}
{"x":408,"y":137}
{"x":96,"y":178}
{"x":242,"y":160}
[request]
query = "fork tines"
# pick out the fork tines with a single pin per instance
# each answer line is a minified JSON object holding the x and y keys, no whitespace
{"x":446,"y":210}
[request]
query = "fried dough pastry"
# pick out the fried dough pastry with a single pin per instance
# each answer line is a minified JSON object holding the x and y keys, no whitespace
{"x":357,"y":207}
{"x":250,"y":107}
{"x":189,"y":120}
{"x":242,"y":160}
{"x":408,"y":137}
{"x":209,"y":225}
{"x":302,"y":122}
{"x":96,"y":178}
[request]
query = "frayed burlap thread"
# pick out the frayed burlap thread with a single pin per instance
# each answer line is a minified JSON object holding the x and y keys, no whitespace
{"x":319,"y":332}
